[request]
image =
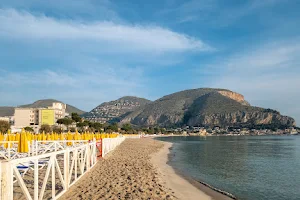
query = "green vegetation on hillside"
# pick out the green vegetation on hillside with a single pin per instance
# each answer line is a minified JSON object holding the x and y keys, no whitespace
{"x":202,"y":107}
{"x":116,"y":110}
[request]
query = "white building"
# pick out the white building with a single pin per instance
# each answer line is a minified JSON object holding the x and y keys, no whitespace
{"x":35,"y":117}
{"x":5,"y":119}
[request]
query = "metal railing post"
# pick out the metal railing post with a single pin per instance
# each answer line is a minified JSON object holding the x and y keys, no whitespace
{"x":66,"y":168}
{"x":6,"y":181}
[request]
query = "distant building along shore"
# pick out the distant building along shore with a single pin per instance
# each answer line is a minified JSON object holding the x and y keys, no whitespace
{"x":35,"y":117}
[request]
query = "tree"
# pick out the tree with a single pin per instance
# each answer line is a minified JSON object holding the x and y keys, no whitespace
{"x":46,"y":128}
{"x":156,"y":130}
{"x":145,"y":130}
{"x":126,"y":127}
{"x":4,"y":126}
{"x":149,"y":130}
{"x":28,"y":129}
{"x":113,"y":127}
{"x":60,"y":121}
{"x":105,"y":125}
{"x":65,"y":121}
{"x":108,"y":131}
{"x":86,"y":123}
{"x":75,"y":117}
{"x":83,"y":125}
{"x":80,"y":125}
{"x":97,"y":126}
{"x":57,"y":129}
{"x":90,"y":129}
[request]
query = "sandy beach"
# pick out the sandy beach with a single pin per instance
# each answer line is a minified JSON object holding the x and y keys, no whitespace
{"x":137,"y":169}
{"x":126,"y":173}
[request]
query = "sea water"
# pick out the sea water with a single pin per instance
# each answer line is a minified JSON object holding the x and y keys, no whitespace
{"x":249,"y":167}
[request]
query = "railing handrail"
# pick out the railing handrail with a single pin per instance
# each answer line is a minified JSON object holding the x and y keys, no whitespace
{"x":9,"y":141}
{"x":45,"y":141}
{"x":77,"y":160}
{"x":19,"y":160}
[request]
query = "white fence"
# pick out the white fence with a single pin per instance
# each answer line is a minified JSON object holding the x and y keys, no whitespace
{"x":42,"y":147}
{"x":36,"y":148}
{"x":48,"y":174}
{"x":109,"y":144}
{"x":133,"y":136}
{"x":9,"y":152}
{"x":141,"y":136}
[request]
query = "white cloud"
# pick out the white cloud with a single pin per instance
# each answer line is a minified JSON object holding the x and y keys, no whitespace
{"x":24,"y":25}
{"x":268,"y":57}
{"x":77,"y":78}
{"x":268,"y":76}
{"x":83,"y":63}
{"x":188,"y":18}
{"x":38,"y":78}
{"x":86,"y":87}
{"x":103,"y":9}
{"x":215,"y":12}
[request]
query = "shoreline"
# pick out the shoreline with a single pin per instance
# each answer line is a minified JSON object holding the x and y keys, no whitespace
{"x":184,"y":187}
{"x":125,"y":173}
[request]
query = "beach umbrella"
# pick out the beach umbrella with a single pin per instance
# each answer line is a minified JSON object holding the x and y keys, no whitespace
{"x":39,"y":137}
{"x":23,"y":143}
{"x":44,"y":137}
{"x":17,"y":136}
{"x":62,"y":137}
{"x":1,"y":137}
{"x":56,"y":137}
{"x":6,"y":136}
{"x":10,"y":137}
{"x":29,"y":136}
{"x":48,"y":137}
{"x":52,"y":136}
{"x":69,"y":137}
{"x":77,"y":135}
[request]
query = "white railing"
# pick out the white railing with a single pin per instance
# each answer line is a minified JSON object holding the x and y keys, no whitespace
{"x":152,"y":135}
{"x":9,"y":150}
{"x":133,"y":136}
{"x":65,"y":166}
{"x":109,"y":144}
{"x":42,"y":147}
{"x":51,"y":170}
{"x":140,"y":136}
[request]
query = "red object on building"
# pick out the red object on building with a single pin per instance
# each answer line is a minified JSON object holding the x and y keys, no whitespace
{"x":99,"y":147}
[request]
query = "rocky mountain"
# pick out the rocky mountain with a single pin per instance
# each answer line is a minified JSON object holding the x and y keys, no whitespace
{"x":115,"y":110}
{"x":6,"y":111}
{"x":9,"y":111}
{"x":204,"y":107}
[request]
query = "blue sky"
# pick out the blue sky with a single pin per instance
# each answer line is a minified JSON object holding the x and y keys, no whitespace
{"x":87,"y":52}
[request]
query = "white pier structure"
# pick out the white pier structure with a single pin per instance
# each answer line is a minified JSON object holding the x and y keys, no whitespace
{"x":50,"y":168}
